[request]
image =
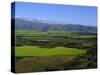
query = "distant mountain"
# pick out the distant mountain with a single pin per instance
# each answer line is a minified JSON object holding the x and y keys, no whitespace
{"x":23,"y":24}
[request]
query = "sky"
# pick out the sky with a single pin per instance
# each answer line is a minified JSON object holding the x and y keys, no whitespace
{"x":68,"y":14}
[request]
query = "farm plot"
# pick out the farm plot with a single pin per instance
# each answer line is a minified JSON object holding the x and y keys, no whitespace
{"x":36,"y":51}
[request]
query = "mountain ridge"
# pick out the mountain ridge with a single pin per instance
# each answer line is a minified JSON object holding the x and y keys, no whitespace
{"x":23,"y":24}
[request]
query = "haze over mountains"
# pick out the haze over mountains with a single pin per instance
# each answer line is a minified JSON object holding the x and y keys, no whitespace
{"x":40,"y":25}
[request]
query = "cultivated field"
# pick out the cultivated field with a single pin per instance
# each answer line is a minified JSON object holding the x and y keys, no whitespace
{"x":36,"y":51}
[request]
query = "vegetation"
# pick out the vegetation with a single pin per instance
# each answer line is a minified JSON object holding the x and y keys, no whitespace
{"x":50,"y":48}
{"x":36,"y":51}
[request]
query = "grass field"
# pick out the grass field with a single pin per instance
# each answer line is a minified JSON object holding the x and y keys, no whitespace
{"x":53,"y":34}
{"x":88,"y":36}
{"x":50,"y":33}
{"x":36,"y":51}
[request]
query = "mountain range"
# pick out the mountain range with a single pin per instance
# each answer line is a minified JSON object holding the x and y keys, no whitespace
{"x":36,"y":25}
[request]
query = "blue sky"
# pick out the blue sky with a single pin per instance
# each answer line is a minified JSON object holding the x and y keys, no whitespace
{"x":73,"y":14}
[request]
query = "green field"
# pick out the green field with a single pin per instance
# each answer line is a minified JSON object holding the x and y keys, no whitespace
{"x":53,"y":34}
{"x":88,"y":36}
{"x":36,"y":51}
{"x":49,"y":33}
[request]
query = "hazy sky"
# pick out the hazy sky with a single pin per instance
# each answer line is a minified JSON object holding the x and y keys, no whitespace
{"x":73,"y":14}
